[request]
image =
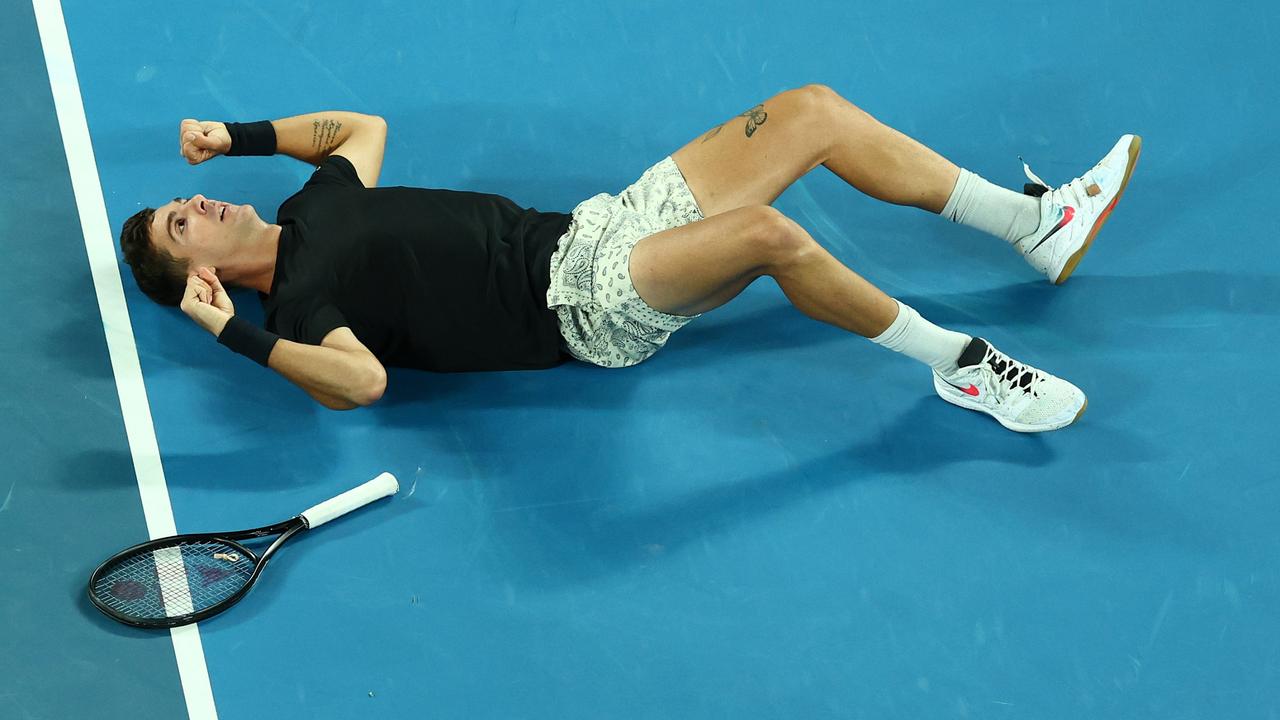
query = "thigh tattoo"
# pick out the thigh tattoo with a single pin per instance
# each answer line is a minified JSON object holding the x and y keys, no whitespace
{"x":756,"y":117}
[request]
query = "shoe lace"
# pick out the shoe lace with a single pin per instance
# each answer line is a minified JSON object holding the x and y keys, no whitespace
{"x":1011,"y":375}
{"x":1076,"y":193}
{"x":1032,"y":176}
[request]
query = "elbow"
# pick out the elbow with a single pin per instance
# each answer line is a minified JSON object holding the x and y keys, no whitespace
{"x":378,"y":123}
{"x":371,"y":386}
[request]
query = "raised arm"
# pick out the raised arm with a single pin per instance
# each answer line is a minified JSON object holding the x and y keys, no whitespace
{"x":311,"y":138}
{"x":314,"y":137}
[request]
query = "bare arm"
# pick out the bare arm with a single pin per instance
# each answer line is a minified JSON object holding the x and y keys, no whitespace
{"x":340,"y":372}
{"x":311,"y":138}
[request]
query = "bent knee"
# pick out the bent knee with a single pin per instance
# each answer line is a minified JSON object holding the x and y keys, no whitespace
{"x":817,"y":97}
{"x":821,"y":101}
{"x":819,"y":93}
{"x":781,"y":242}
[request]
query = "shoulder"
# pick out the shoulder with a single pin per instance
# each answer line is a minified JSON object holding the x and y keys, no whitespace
{"x":335,"y":170}
{"x":335,"y":174}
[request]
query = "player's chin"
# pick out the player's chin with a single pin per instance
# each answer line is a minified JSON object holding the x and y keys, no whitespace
{"x":248,"y":216}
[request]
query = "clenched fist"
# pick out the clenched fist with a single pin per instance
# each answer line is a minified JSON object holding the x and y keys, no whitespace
{"x":206,"y":301}
{"x":200,"y":140}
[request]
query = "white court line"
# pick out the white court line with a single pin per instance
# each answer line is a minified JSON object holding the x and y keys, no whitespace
{"x":176,"y":595}
{"x":115,"y":322}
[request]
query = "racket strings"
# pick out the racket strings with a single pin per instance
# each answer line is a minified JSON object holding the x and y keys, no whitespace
{"x":174,"y":580}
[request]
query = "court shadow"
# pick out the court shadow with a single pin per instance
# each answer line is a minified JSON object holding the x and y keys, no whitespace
{"x":96,"y":470}
{"x":1080,"y":309}
{"x":770,"y":324}
{"x":76,"y":346}
{"x":238,"y":471}
{"x":1109,"y":502}
{"x":573,"y":543}
{"x":418,"y":398}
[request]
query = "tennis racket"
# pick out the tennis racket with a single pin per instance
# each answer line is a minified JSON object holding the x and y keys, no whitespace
{"x":184,"y":579}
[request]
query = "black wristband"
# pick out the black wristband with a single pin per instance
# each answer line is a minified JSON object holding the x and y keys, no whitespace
{"x":255,"y":138}
{"x":251,"y":341}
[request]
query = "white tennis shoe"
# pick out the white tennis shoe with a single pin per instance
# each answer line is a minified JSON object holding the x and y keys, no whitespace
{"x":1020,"y":397}
{"x":1071,"y":215}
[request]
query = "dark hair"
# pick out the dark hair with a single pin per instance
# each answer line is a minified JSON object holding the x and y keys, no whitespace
{"x":158,"y":274}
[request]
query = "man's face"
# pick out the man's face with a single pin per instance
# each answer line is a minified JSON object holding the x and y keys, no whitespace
{"x":204,"y":232}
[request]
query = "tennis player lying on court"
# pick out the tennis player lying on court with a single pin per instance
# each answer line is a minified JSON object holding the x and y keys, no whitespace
{"x":353,"y":277}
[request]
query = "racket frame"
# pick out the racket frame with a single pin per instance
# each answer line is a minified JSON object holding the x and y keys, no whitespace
{"x":285,"y":529}
{"x":384,"y":485}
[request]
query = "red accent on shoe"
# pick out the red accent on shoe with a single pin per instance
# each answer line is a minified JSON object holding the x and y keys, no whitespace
{"x":972,"y":390}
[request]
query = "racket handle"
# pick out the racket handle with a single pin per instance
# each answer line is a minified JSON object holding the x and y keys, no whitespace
{"x":357,"y":497}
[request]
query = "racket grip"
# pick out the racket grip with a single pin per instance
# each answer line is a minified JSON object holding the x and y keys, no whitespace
{"x":357,"y":497}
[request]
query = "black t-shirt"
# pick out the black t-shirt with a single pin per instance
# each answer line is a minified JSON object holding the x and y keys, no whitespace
{"x":432,"y":279}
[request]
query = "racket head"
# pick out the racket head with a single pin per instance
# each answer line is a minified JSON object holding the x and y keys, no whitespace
{"x":184,"y":579}
{"x":173,"y":581}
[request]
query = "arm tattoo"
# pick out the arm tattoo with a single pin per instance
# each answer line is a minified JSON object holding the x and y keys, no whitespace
{"x":756,"y":117}
{"x":713,"y":132}
{"x":324,"y":134}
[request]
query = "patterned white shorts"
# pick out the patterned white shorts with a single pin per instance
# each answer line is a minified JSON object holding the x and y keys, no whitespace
{"x":602,"y":318}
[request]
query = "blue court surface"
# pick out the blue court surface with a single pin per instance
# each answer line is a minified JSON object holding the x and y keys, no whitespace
{"x":769,"y":519}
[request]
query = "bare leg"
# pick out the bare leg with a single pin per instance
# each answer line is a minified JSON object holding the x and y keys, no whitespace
{"x":700,"y":266}
{"x":754,"y":157}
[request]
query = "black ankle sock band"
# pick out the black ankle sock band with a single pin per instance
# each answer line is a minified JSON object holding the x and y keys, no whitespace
{"x":973,"y":353}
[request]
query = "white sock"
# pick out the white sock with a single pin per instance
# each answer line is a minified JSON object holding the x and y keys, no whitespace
{"x":992,"y":209}
{"x":915,"y":337}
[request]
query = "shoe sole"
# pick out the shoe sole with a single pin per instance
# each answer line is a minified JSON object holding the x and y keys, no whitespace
{"x":1135,"y":149}
{"x":1009,"y":424}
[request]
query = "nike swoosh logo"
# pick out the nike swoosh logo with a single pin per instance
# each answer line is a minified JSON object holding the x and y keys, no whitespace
{"x":971,"y":390}
{"x":1068,"y":214}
